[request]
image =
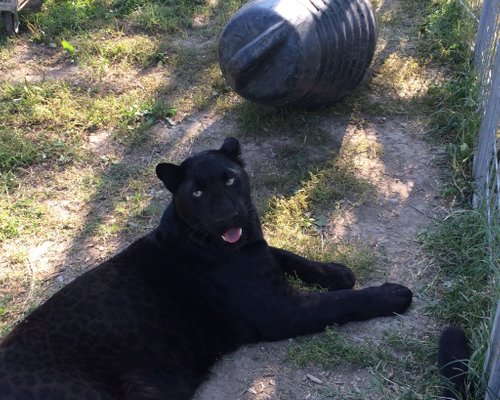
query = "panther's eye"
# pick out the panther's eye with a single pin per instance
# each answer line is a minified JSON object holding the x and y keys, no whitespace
{"x":230,"y":182}
{"x":197,"y":193}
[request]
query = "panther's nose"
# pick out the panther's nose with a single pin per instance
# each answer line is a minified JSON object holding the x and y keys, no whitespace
{"x":227,"y":217}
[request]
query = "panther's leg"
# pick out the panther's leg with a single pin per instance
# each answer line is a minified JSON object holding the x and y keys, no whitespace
{"x":332,"y":276}
{"x":310,"y":312}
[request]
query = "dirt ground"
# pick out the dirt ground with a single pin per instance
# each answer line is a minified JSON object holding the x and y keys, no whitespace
{"x":405,"y":173}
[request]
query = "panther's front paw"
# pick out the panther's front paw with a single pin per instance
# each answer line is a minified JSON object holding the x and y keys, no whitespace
{"x":337,"y":276}
{"x":397,"y":298}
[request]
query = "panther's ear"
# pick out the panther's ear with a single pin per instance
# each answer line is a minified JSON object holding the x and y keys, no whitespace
{"x":171,"y":175}
{"x":231,"y":148}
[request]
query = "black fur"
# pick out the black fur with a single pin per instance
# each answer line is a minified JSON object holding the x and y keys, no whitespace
{"x":453,"y":359}
{"x":152,"y":320}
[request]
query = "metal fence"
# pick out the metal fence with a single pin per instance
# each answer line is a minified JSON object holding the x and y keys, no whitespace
{"x":486,"y":171}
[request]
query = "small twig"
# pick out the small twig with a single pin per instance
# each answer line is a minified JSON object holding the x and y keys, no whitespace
{"x":413,"y":193}
{"x":32,"y":285}
{"x":419,"y":210}
{"x":153,"y":151}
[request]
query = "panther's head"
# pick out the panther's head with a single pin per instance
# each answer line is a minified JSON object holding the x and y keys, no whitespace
{"x":211,"y":194}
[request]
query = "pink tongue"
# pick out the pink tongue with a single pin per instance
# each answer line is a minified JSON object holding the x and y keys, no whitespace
{"x":232,"y":235}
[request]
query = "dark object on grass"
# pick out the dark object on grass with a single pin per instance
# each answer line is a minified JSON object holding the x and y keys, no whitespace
{"x":453,"y":361}
{"x":305,"y":53}
{"x":151,"y":321}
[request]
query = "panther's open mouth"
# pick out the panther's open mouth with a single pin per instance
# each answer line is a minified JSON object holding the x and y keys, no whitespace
{"x":232,"y":235}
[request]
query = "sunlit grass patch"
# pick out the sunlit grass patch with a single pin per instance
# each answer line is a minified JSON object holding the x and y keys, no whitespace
{"x":156,"y":17}
{"x":58,"y":116}
{"x":127,"y":205}
{"x":19,"y":217}
{"x":53,"y":105}
{"x":202,"y":84}
{"x":296,"y":222}
{"x":20,"y":287}
{"x":66,"y":18}
{"x":403,"y":77}
{"x":6,"y":51}
{"x":335,"y":182}
{"x":390,"y":17}
{"x":16,"y":150}
{"x":16,"y":283}
{"x":398,"y":84}
{"x":137,"y":213}
{"x":447,"y":38}
{"x":121,"y":51}
{"x":137,"y":119}
{"x":49,"y":116}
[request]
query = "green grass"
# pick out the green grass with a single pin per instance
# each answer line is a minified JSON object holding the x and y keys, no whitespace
{"x":125,"y":206}
{"x":67,"y":18}
{"x":401,"y":365}
{"x":16,"y":150}
{"x":334,"y":349}
{"x":45,"y":117}
{"x":19,"y":216}
{"x":453,"y":104}
{"x":298,"y":221}
{"x":64,"y":18}
{"x":448,"y":34}
{"x":45,"y":125}
{"x":466,"y":289}
{"x":464,"y":246}
{"x":455,"y":119}
{"x":49,"y":120}
{"x":136,"y":62}
{"x":102,"y":49}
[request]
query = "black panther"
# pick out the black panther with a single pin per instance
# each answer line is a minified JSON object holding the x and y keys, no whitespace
{"x":151,"y":321}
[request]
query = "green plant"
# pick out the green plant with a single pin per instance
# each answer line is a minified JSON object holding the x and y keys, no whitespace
{"x":16,"y":150}
{"x":464,"y":245}
{"x":455,"y":117}
{"x":68,"y":17}
{"x":138,"y":118}
{"x":68,"y":47}
{"x":18,"y":217}
{"x":453,"y":104}
{"x":448,"y":33}
{"x":296,"y":221}
{"x":334,"y":348}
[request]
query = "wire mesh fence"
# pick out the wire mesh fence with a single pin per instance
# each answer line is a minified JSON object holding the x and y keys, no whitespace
{"x":486,"y":171}
{"x":487,"y":63}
